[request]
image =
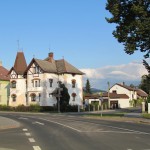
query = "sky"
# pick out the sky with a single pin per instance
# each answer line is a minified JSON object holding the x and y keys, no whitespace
{"x":75,"y":30}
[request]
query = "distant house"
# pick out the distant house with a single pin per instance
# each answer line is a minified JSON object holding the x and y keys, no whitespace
{"x":4,"y":85}
{"x":35,"y":83}
{"x":121,"y":95}
{"x":89,"y":98}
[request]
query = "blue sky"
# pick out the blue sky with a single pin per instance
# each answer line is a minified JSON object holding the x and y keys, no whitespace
{"x":73,"y":29}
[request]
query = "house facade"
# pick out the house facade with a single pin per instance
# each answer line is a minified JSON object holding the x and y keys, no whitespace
{"x":4,"y":85}
{"x":40,"y":78}
{"x":121,"y":95}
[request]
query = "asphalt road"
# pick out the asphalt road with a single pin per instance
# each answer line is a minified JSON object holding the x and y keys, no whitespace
{"x":64,"y":132}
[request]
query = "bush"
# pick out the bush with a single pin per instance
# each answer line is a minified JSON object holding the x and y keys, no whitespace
{"x":49,"y":109}
{"x":5,"y":108}
{"x":35,"y":108}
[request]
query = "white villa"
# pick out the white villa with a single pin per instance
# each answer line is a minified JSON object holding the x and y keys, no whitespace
{"x":33,"y":84}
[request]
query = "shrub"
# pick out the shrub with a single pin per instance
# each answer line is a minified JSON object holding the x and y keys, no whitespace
{"x":5,"y":108}
{"x":35,"y":108}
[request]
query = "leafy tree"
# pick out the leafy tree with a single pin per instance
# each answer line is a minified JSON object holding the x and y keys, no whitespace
{"x":145,"y":83}
{"x":88,"y":86}
{"x":65,"y":97}
{"x":133,"y":24}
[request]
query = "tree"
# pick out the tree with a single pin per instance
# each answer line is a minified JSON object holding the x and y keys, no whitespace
{"x":88,"y":87}
{"x":65,"y":97}
{"x":145,"y":83}
{"x":133,"y":24}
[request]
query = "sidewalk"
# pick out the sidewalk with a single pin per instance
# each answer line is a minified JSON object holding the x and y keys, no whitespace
{"x":6,"y":123}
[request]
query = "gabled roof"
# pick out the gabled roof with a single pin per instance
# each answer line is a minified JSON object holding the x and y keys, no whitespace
{"x":3,"y":74}
{"x":56,"y":66}
{"x":115,"y":95}
{"x":20,"y":64}
{"x":141,"y":93}
{"x":126,"y":87}
{"x":64,"y":67}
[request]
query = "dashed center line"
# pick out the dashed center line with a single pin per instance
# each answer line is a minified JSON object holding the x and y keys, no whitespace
{"x":28,"y":134}
{"x":25,"y":129}
{"x":36,"y":148}
{"x":31,"y":140}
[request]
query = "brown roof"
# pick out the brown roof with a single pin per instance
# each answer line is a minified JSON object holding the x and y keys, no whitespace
{"x":115,"y":95}
{"x":55,"y":66}
{"x":91,"y":96}
{"x":126,"y":87}
{"x":64,"y":67}
{"x":20,"y":64}
{"x":3,"y":74}
{"x":141,"y":93}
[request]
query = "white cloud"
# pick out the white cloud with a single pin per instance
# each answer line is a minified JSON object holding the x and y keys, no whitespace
{"x":131,"y":72}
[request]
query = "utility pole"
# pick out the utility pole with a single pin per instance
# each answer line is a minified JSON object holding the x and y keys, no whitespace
{"x":108,"y":95}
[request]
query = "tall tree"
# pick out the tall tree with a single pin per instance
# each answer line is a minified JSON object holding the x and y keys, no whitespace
{"x":133,"y":24}
{"x":145,"y":83}
{"x":88,"y":86}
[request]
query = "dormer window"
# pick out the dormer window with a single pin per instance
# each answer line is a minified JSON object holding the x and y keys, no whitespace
{"x":13,"y":84}
{"x":73,"y":83}
{"x":37,"y":70}
{"x":51,"y":82}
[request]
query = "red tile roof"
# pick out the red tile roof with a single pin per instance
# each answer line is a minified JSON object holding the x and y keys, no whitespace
{"x":3,"y":74}
{"x":115,"y":95}
{"x":141,"y":93}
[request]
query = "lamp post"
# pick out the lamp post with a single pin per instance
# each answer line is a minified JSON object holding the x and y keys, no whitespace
{"x":108,"y":95}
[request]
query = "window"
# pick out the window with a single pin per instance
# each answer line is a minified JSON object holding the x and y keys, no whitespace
{"x":73,"y":96}
{"x":37,"y":70}
{"x":51,"y":82}
{"x":36,"y":83}
{"x":114,"y":91}
{"x":39,"y":96}
{"x":73,"y":83}
{"x":13,"y":96}
{"x":13,"y":84}
{"x":33,"y":97}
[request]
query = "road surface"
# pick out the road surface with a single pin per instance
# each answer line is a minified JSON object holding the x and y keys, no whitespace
{"x":66,"y":132}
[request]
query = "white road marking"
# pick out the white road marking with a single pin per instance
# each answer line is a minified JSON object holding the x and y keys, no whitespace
{"x":28,"y":134}
{"x":38,"y":123}
{"x":31,"y":140}
{"x":36,"y":148}
{"x":22,"y":118}
{"x":25,"y":129}
{"x":62,"y":124}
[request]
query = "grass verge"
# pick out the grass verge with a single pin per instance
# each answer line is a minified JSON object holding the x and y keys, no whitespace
{"x":147,"y":116}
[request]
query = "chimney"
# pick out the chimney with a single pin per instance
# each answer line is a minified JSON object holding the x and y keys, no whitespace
{"x":51,"y":55}
{"x":1,"y":63}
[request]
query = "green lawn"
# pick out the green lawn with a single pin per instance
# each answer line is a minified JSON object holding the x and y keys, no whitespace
{"x":146,"y":116}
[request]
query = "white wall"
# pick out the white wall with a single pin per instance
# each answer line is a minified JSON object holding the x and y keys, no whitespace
{"x":122,"y":90}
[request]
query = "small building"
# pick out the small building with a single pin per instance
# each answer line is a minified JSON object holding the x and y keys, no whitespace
{"x":121,"y":96}
{"x":4,"y":85}
{"x":117,"y":100}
